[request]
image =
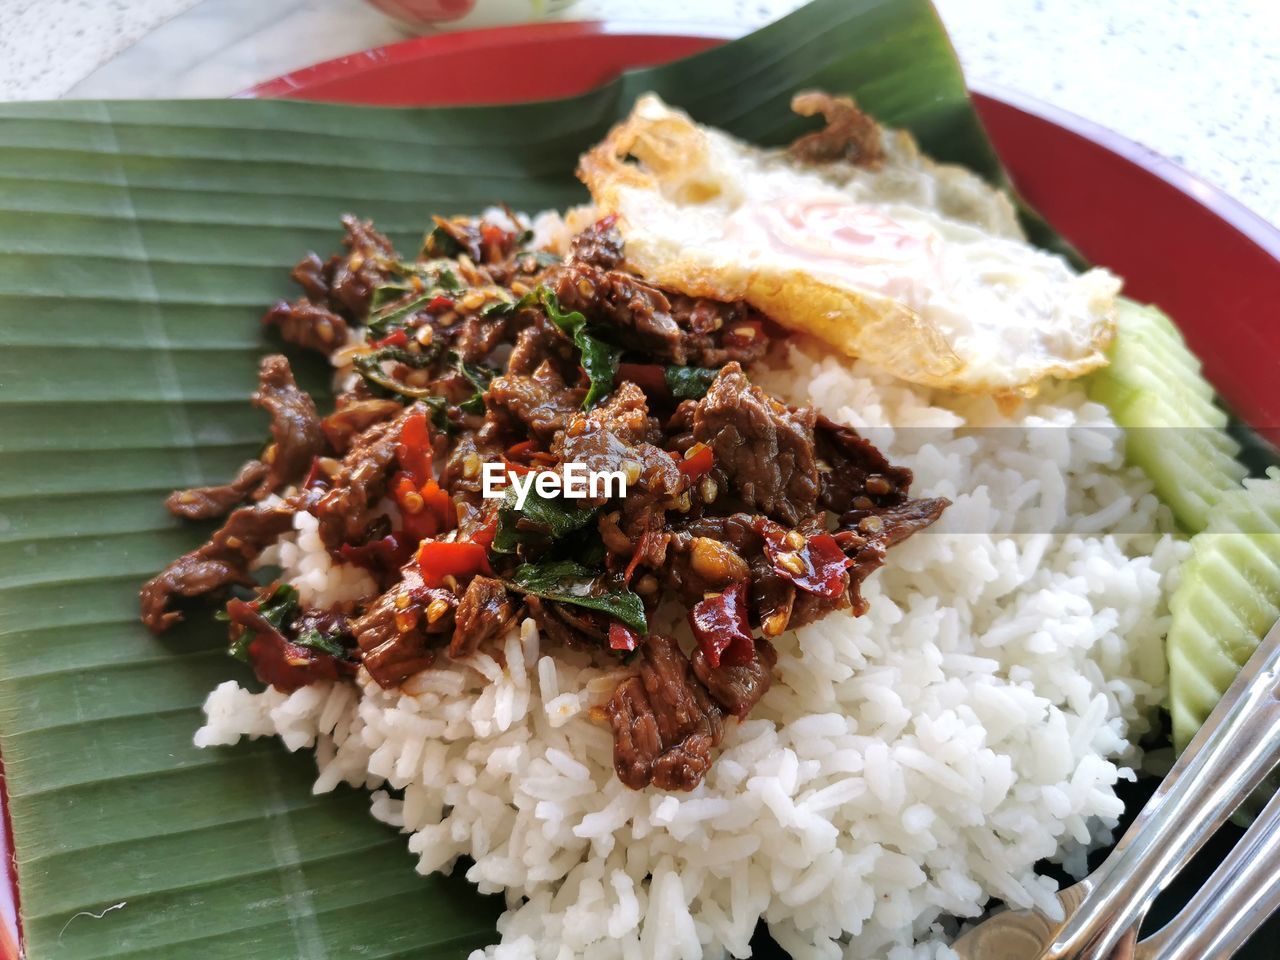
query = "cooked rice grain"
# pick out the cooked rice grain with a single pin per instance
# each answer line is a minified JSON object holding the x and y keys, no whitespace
{"x":905,"y":767}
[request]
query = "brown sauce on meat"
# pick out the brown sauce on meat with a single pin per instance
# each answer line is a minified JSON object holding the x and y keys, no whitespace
{"x":757,"y":516}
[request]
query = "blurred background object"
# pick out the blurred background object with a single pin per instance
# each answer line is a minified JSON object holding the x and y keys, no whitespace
{"x":1198,"y":85}
{"x":468,"y":14}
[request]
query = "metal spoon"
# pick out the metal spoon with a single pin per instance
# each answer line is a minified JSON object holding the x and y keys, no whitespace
{"x":1234,"y":750}
{"x":1242,"y":893}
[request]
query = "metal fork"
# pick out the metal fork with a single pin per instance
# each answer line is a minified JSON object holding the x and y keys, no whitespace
{"x":1242,"y":893}
{"x":1230,"y":756}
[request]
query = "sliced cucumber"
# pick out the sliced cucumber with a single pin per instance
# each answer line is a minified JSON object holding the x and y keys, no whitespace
{"x":1229,"y":596}
{"x":1174,"y":430}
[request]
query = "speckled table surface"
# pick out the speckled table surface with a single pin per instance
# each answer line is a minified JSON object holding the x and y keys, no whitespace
{"x":1199,"y":83}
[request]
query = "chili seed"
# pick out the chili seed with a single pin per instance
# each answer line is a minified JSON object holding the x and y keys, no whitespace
{"x":872,"y":524}
{"x":878,"y":485}
{"x":794,"y":540}
{"x":402,"y":601}
{"x":436,"y":609}
{"x":473,"y":301}
{"x":406,"y":620}
{"x":791,"y":563}
{"x":709,"y":490}
{"x":471,"y":466}
{"x":775,"y":623}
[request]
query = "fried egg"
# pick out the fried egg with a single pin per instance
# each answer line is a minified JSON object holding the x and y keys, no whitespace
{"x":916,"y":266}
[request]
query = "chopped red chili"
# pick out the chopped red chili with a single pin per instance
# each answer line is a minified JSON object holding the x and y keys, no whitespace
{"x":276,"y":660}
{"x":438,"y":559}
{"x":414,"y":449}
{"x":396,"y":338}
{"x":622,"y":637}
{"x":697,"y":461}
{"x":815,"y":564}
{"x":721,"y":628}
{"x":649,"y":377}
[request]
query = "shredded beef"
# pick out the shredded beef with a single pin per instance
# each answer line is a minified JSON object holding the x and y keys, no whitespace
{"x":402,"y":630}
{"x":600,"y":245}
{"x":763,"y":449}
{"x":664,"y":722}
{"x":854,"y":473}
{"x":541,"y":402}
{"x":220,"y":563}
{"x":483,"y":611}
{"x":738,"y":687}
{"x":307,"y":324}
{"x":866,"y":535}
{"x":353,"y":417}
{"x":295,"y":425}
{"x":209,"y":503}
{"x":849,"y":134}
{"x":353,"y":278}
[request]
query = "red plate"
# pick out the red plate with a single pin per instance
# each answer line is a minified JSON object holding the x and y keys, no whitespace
{"x":1177,"y":241}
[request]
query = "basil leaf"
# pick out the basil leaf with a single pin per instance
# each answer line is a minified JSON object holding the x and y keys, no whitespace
{"x":386,"y":293}
{"x":279,"y":607}
{"x":369,"y":366}
{"x":541,"y":518}
{"x":479,"y":377}
{"x":599,"y":358}
{"x":380,"y":324}
{"x":313,"y":639}
{"x":502,"y":308}
{"x":567,"y":582}
{"x":441,"y":243}
{"x":690,"y":383}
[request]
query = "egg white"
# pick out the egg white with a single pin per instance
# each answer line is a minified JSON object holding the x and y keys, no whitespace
{"x":916,"y":266}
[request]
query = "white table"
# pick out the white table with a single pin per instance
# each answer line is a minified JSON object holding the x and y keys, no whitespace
{"x":1198,"y":82}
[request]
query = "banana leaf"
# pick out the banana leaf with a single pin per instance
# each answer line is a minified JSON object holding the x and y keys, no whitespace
{"x":139,"y":244}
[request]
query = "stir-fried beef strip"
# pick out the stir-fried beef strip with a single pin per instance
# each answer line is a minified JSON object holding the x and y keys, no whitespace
{"x":758,"y":517}
{"x":680,"y":330}
{"x":209,"y":503}
{"x":664,"y":722}
{"x":295,"y":425}
{"x":849,"y":133}
{"x":404,"y":629}
{"x":346,"y":508}
{"x":738,"y":687}
{"x":540,"y":403}
{"x":764,"y":450}
{"x":307,"y":324}
{"x":482,"y":613}
{"x":600,"y":245}
{"x":222,"y":562}
{"x":353,"y":417}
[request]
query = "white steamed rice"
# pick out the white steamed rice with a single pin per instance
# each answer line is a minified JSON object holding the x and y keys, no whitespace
{"x":905,"y":767}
